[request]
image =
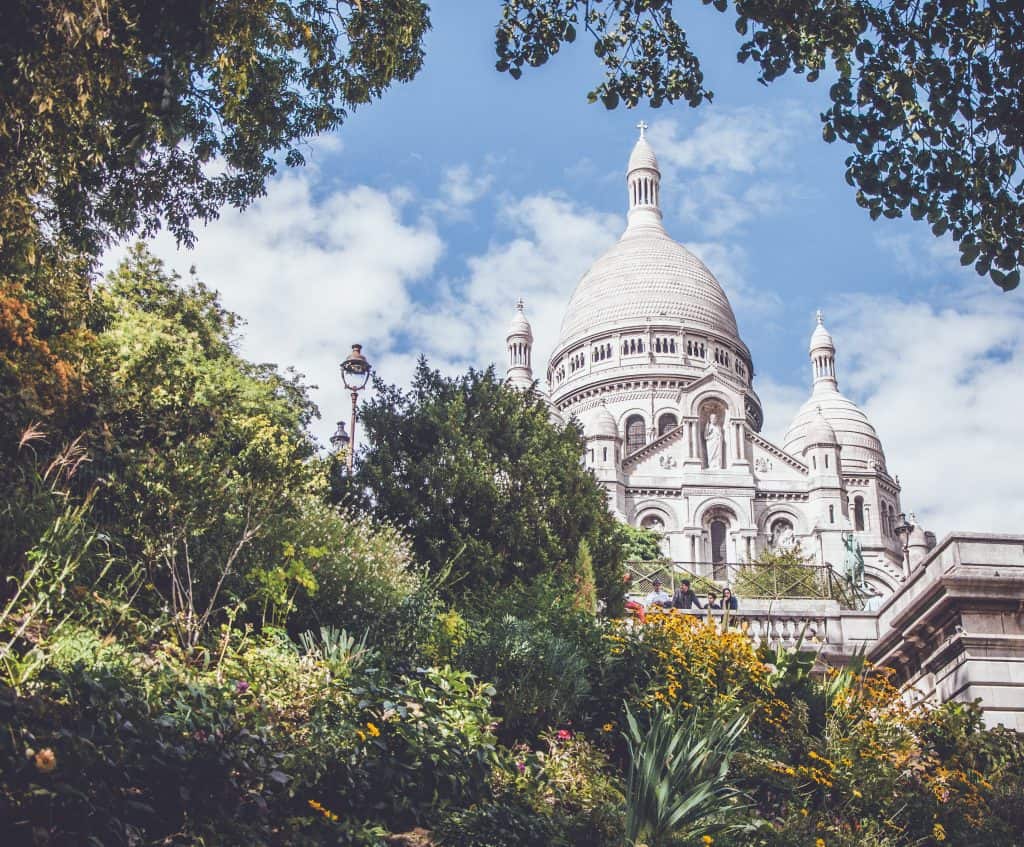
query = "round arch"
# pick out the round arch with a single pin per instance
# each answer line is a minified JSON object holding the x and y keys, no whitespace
{"x":694,"y":402}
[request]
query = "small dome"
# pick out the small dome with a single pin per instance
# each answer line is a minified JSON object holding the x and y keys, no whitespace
{"x":821,"y":337}
{"x":520,"y":326}
{"x":918,"y":537}
{"x":820,"y":432}
{"x":604,"y":425}
{"x":861,"y":447}
{"x":642,"y":156}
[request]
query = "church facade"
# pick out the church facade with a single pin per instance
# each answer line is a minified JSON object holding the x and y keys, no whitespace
{"x":650,"y":360}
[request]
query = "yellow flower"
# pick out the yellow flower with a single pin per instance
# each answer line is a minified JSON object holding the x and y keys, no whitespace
{"x":361,"y":734}
{"x":803,"y":812}
{"x":608,"y":727}
{"x":819,"y":843}
{"x":856,"y":793}
{"x":46,"y":760}
{"x":939,"y":832}
{"x":707,"y":839}
{"x":372,"y":729}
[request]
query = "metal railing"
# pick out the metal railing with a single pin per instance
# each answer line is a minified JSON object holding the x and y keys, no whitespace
{"x":745,"y":579}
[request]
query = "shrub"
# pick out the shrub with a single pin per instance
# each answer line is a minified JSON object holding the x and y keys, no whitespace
{"x":363,"y":569}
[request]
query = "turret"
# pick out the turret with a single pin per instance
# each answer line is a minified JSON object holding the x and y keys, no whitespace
{"x":519,"y":344}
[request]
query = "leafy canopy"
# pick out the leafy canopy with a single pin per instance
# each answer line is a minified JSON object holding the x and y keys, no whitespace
{"x":928,"y":93}
{"x":117,"y":116}
{"x":480,"y":479}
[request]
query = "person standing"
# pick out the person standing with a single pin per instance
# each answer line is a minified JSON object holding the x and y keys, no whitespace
{"x":658,"y":597}
{"x":685,"y":598}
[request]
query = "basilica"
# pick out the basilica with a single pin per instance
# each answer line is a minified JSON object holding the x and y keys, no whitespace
{"x":650,"y":361}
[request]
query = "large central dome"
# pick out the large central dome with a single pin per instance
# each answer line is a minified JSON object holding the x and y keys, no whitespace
{"x":646,"y":276}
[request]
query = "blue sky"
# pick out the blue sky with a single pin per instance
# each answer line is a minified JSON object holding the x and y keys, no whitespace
{"x":417,"y":226}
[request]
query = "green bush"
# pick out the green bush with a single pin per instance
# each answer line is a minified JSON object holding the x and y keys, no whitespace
{"x":498,"y":824}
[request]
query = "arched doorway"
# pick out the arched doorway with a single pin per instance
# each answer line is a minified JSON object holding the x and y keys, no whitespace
{"x":719,"y":547}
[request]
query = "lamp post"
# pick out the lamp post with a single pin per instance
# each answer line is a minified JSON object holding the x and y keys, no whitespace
{"x":355,"y":373}
{"x":903,"y":530}
{"x":340,"y":439}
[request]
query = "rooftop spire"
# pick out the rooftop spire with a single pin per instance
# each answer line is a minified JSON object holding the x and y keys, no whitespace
{"x":643,"y":183}
{"x":823,"y":357}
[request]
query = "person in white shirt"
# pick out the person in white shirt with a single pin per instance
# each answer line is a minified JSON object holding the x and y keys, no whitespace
{"x":658,"y":597}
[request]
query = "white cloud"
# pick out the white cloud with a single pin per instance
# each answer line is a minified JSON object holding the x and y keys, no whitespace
{"x":311,"y":275}
{"x":919,"y":254}
{"x":460,"y":189}
{"x":944,"y":387}
{"x":551,"y":243}
{"x":747,"y":140}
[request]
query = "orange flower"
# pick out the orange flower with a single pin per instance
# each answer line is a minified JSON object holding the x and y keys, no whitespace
{"x":46,"y":760}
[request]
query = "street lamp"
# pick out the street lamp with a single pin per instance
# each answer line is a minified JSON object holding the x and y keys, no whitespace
{"x":355,"y":373}
{"x":903,"y":530}
{"x":340,"y":438}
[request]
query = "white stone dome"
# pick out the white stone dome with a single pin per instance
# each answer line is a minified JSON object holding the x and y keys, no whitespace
{"x":519,"y":325}
{"x":604,"y":425}
{"x":821,"y":338}
{"x":647,"y":275}
{"x":820,"y":432}
{"x":853,"y":430}
{"x":643,"y":156}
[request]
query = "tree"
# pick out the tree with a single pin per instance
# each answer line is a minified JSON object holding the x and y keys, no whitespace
{"x":483,"y":482}
{"x":201,"y":458}
{"x":118,"y":116}
{"x":928,"y":92}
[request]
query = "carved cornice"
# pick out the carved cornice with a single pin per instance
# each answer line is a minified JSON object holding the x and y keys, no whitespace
{"x":667,"y":388}
{"x":768,"y":447}
{"x":652,"y":447}
{"x":791,"y":496}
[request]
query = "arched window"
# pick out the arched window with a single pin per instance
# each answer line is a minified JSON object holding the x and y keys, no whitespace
{"x":640,"y":346}
{"x":654,"y":522}
{"x":666,"y":422}
{"x":858,"y":513}
{"x":826,"y":460}
{"x":831,"y":514}
{"x":636,"y":433}
{"x":604,"y":454}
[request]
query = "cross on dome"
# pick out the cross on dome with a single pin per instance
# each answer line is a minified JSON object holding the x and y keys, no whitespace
{"x":643,"y":127}
{"x":820,"y":317}
{"x":520,"y":304}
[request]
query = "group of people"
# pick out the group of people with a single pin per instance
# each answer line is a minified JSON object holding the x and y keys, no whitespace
{"x":686,"y":598}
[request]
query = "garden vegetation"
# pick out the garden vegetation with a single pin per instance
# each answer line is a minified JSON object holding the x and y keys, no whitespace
{"x":199,"y":644}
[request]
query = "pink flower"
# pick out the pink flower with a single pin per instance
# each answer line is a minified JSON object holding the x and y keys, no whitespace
{"x":241,"y":686}
{"x":564,"y":735}
{"x":521,"y":767}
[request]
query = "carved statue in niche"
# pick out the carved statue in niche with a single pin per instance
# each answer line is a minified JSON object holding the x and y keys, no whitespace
{"x":713,"y":442}
{"x":783,"y":537}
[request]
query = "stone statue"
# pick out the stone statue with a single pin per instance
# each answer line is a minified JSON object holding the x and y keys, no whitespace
{"x":782,"y":536}
{"x":853,"y":564}
{"x":713,"y":442}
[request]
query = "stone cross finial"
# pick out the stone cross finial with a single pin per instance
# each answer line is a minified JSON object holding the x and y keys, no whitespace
{"x":642,"y":126}
{"x":819,"y":316}
{"x":520,"y":304}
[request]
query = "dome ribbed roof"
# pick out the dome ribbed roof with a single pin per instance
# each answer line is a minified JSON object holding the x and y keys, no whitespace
{"x":642,"y":156}
{"x":820,"y":431}
{"x":647,"y":275}
{"x":853,"y":430}
{"x":519,"y":325}
{"x":604,"y":425}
